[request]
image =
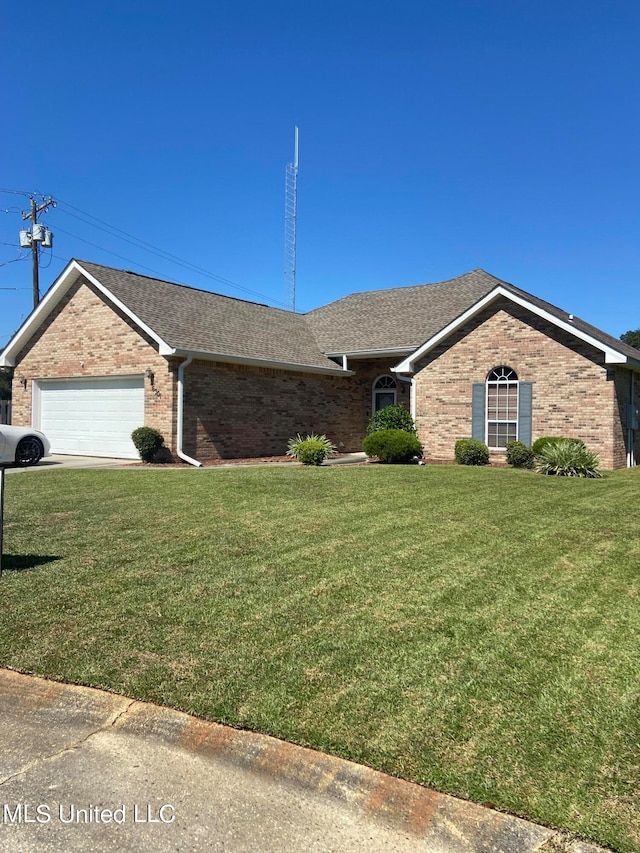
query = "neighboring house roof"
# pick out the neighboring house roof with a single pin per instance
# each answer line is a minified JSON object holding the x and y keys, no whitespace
{"x":402,"y":321}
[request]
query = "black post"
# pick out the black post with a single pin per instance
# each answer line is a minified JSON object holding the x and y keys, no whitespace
{"x":1,"y":514}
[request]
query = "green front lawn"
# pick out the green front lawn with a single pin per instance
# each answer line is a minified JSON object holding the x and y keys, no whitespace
{"x":474,"y":630}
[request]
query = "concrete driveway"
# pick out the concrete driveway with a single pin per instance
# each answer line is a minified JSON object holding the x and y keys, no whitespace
{"x":57,"y":460}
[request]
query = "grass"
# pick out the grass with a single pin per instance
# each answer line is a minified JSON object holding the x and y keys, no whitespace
{"x":474,"y":630}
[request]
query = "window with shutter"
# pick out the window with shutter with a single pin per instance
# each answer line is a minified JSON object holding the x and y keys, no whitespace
{"x":501,"y":407}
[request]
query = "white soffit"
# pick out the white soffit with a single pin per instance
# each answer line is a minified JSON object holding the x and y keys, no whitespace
{"x":612,"y":356}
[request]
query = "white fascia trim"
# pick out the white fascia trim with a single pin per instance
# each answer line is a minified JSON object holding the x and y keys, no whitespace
{"x":612,"y":356}
{"x":258,"y":362}
{"x":66,"y":279}
{"x":372,"y":353}
{"x":56,"y":293}
{"x":162,"y":345}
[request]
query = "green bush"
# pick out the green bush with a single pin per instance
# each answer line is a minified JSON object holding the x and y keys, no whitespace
{"x":541,"y":442}
{"x":519,"y":455}
{"x":311,"y":450}
{"x":148,"y":442}
{"x":391,"y":417}
{"x":163,"y":456}
{"x":470,"y":451}
{"x":393,"y":445}
{"x":567,"y":458}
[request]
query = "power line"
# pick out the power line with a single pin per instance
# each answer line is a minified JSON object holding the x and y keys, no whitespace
{"x":13,"y":261}
{"x":108,"y":251}
{"x":120,"y":234}
{"x":19,"y":192}
{"x":155,"y":250}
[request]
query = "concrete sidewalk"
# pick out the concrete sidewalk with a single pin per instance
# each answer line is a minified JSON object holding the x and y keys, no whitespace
{"x":81,"y":769}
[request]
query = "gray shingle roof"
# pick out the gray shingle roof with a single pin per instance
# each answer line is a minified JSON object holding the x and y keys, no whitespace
{"x":391,"y":320}
{"x":400,"y":317}
{"x":409,"y":316}
{"x":200,"y":321}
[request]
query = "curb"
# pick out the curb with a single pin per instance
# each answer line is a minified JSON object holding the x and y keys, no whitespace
{"x":443,"y":823}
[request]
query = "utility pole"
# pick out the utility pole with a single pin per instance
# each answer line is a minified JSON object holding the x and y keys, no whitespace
{"x":31,"y":239}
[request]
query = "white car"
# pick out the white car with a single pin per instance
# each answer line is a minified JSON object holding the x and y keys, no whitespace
{"x":22,"y":445}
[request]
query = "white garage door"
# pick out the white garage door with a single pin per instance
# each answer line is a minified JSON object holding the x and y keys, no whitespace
{"x":92,"y":417}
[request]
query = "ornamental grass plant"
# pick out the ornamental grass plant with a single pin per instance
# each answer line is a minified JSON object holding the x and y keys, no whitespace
{"x":567,"y":458}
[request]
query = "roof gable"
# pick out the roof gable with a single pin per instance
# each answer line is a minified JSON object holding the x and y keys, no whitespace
{"x":615,"y":351}
{"x":403,"y":321}
{"x":199,"y":321}
{"x":184,"y":320}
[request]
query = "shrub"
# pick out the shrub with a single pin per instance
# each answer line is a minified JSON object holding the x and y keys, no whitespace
{"x":470,"y":451}
{"x":312,"y":450}
{"x":567,"y":458}
{"x":519,"y":455}
{"x":391,"y":417}
{"x":148,"y":442}
{"x":163,"y":456}
{"x":392,"y":445}
{"x":539,"y":443}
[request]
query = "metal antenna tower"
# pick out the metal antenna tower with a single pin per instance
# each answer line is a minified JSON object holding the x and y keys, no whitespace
{"x":291,"y":225}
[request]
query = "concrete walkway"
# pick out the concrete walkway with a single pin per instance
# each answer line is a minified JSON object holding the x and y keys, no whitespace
{"x":64,"y":461}
{"x":81,"y":769}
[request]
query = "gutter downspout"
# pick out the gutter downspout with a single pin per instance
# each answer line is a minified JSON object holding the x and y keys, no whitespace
{"x":412,"y":392}
{"x":180,"y":414}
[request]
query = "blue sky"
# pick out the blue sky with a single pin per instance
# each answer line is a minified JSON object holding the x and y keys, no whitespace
{"x":435,"y":137}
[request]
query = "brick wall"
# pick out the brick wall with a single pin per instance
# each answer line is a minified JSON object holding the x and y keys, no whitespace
{"x":84,"y":337}
{"x":236,"y":411}
{"x":574,"y":393}
{"x":232,"y":411}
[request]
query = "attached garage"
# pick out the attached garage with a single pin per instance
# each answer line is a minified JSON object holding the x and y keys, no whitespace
{"x":90,"y":417}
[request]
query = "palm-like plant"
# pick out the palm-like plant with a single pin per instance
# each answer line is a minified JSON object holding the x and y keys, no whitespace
{"x":566,"y":458}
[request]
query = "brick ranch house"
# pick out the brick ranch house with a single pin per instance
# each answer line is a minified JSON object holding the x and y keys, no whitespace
{"x":107,"y":351}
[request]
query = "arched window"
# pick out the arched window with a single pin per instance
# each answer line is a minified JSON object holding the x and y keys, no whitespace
{"x":384,"y":392}
{"x":502,"y":407}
